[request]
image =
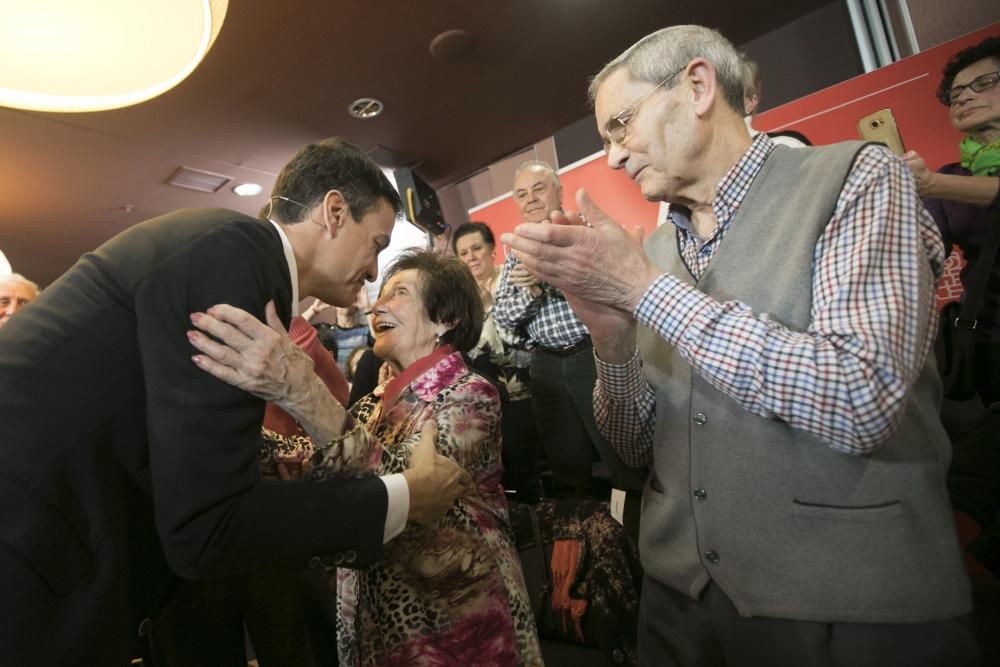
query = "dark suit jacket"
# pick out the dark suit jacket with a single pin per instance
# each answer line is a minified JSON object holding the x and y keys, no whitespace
{"x":121,"y":460}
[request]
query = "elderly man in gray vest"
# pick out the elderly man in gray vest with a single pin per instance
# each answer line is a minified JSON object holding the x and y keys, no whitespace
{"x":766,"y":354}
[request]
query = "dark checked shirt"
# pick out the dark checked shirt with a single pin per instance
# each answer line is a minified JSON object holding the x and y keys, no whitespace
{"x":845,"y":378}
{"x":547,"y":321}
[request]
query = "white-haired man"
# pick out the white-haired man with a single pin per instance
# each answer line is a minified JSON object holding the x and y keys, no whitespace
{"x":16,"y":292}
{"x":767,"y":354}
{"x":562,"y":363}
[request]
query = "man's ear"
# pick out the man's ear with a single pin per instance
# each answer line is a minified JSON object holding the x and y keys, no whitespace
{"x":335,"y":210}
{"x":704,"y":86}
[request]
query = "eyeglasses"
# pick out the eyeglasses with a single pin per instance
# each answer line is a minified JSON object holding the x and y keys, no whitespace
{"x":978,"y":85}
{"x":616,"y":131}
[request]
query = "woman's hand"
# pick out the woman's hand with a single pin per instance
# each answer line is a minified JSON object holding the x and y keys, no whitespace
{"x":921,"y":174}
{"x":261,"y":359}
{"x":258,"y":358}
{"x":980,"y":191}
{"x":385,"y":372}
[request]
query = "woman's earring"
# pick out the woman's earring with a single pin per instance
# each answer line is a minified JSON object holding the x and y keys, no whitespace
{"x":437,"y":340}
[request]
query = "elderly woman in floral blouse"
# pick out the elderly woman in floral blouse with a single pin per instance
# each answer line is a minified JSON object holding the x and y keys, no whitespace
{"x":450,"y":592}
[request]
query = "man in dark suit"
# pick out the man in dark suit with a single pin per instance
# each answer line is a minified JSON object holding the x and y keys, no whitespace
{"x":123,"y":464}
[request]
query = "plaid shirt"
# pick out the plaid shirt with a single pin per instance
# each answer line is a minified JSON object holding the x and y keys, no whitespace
{"x":547,"y":321}
{"x":845,"y":378}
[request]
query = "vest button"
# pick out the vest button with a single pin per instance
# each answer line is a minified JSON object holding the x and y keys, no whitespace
{"x":700,"y":494}
{"x":712,"y":557}
{"x":700,"y":419}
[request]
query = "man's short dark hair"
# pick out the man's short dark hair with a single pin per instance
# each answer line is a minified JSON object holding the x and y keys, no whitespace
{"x":988,"y":48}
{"x":449,"y":293}
{"x":467,"y":228}
{"x":331,"y":164}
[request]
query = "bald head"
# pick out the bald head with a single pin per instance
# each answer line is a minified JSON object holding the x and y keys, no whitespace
{"x":537,"y":191}
{"x":16,"y":291}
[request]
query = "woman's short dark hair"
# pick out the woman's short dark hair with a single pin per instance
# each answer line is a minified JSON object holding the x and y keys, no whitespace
{"x":449,"y":293}
{"x":988,"y":48}
{"x":467,"y":228}
{"x":331,"y":164}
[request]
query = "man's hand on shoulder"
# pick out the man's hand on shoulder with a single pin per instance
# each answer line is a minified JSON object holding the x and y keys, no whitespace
{"x":434,"y":481}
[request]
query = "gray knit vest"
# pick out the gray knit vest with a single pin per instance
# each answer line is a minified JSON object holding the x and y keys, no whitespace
{"x":785,"y":526}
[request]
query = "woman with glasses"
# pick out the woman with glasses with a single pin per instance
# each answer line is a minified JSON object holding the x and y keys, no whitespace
{"x":964,"y":196}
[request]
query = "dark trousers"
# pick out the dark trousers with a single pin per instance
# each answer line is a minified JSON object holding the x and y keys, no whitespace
{"x":288,"y":617}
{"x":988,"y":372}
{"x":520,"y":450}
{"x":562,"y":389}
{"x":676,"y":631}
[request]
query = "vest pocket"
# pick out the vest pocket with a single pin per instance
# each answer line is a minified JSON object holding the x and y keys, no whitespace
{"x":36,"y":531}
{"x":869,"y":512}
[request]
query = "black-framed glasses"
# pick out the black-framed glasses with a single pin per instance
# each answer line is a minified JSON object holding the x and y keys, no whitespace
{"x":980,"y":84}
{"x":616,"y":129}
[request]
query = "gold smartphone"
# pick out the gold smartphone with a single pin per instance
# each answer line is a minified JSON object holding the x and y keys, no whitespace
{"x":881,"y":127}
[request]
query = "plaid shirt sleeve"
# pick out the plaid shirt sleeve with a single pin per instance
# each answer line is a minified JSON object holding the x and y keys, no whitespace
{"x":846,"y":378}
{"x":513,"y":307}
{"x":624,"y":409}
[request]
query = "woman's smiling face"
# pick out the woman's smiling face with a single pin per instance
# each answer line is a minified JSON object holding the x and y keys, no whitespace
{"x":403,"y":332}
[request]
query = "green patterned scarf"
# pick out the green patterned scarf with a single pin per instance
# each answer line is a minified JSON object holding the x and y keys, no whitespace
{"x":979,"y":159}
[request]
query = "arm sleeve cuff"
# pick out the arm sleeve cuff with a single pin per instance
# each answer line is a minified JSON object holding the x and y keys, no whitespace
{"x":398,"y":508}
{"x":621,"y":382}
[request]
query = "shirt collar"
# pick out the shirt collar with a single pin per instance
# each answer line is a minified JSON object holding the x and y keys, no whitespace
{"x":732,"y":188}
{"x":293,"y":268}
{"x":396,"y":386}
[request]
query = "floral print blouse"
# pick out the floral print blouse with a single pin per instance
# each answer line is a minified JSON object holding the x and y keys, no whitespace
{"x":451,"y":593}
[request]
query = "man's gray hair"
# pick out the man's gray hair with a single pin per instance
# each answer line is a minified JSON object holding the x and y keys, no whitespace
{"x":18,"y":278}
{"x":538,"y":164}
{"x":655,"y":57}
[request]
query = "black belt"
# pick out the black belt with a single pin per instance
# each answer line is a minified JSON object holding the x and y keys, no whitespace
{"x":579,"y":346}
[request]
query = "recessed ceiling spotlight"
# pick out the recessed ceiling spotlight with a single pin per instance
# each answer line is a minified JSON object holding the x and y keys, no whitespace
{"x":365,"y":107}
{"x":247,"y":189}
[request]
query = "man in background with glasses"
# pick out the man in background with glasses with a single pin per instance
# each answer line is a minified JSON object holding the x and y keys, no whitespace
{"x":124,"y":464}
{"x":779,"y":383}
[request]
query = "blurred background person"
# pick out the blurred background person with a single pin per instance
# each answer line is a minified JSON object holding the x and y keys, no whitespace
{"x":350,"y":330}
{"x":352,"y":363}
{"x":16,"y":292}
{"x":753,"y":88}
{"x":502,"y":355}
{"x":964,"y":196}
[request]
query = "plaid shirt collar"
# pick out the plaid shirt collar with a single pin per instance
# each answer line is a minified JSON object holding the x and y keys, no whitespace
{"x":731,"y":191}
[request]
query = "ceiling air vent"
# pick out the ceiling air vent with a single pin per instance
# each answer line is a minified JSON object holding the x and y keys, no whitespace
{"x":196,"y":179}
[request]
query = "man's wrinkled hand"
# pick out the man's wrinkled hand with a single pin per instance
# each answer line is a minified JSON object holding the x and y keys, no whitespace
{"x":588,"y":256}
